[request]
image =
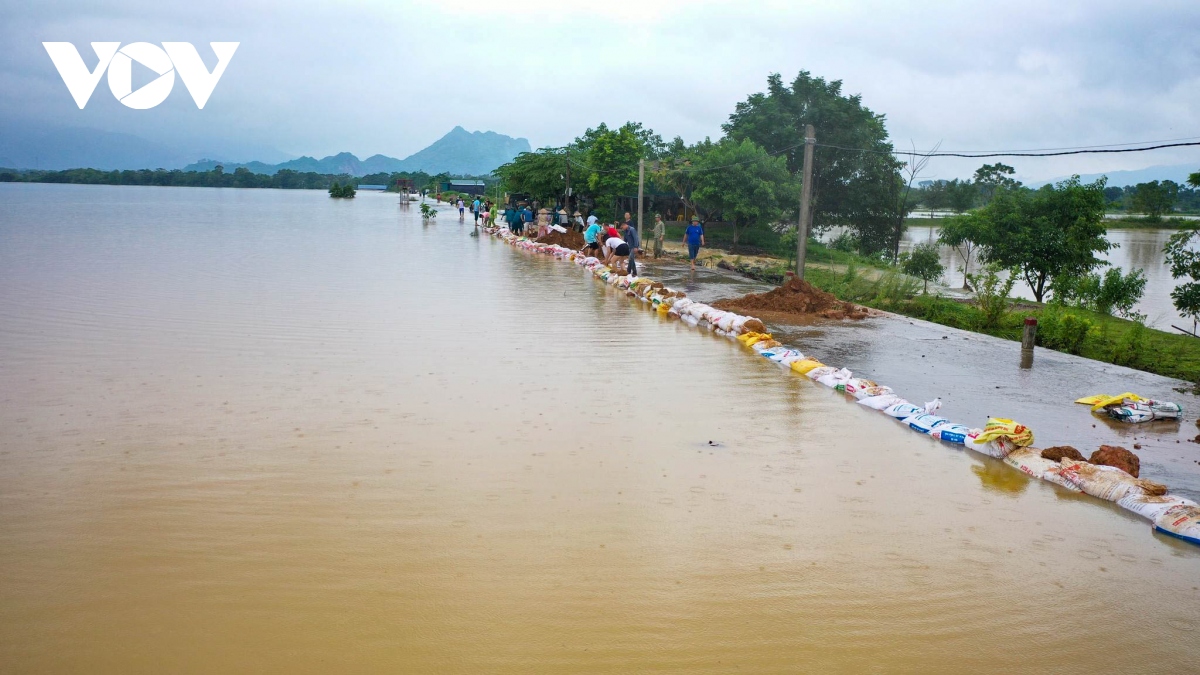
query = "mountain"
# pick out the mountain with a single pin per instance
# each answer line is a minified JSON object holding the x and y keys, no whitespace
{"x":460,"y":152}
{"x":1176,"y":172}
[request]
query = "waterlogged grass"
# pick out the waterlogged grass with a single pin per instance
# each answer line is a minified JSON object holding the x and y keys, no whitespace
{"x":1067,"y":329}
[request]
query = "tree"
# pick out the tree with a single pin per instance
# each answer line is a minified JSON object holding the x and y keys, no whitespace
{"x":613,"y":162}
{"x":924,"y":263}
{"x":1054,"y":231}
{"x":860,"y":187}
{"x":961,"y":195}
{"x":744,"y":184}
{"x":963,"y":233}
{"x":1194,"y":179}
{"x":992,"y":177}
{"x":1154,"y":198}
{"x":1185,"y":263}
{"x":538,"y":174}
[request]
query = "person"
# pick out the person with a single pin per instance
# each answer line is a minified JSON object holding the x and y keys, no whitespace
{"x":526,"y":218}
{"x":591,"y":240}
{"x":592,"y":219}
{"x":610,"y":231}
{"x":693,"y":237}
{"x":660,"y":231}
{"x":617,"y":249}
{"x":462,"y":209}
{"x":475,"y":209}
{"x":631,"y":238}
{"x":510,"y":217}
{"x":484,"y":213}
{"x":577,"y":222}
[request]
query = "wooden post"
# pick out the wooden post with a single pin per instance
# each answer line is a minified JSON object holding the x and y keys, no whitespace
{"x":641,"y":183}
{"x":1028,"y":336}
{"x":810,"y":140}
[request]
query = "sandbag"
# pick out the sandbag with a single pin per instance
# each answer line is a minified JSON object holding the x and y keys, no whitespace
{"x":1104,"y":482}
{"x":1031,"y":462}
{"x":764,"y":345}
{"x":784,"y":356}
{"x":999,"y":448}
{"x":953,"y":433}
{"x":833,"y":379}
{"x":820,"y":372}
{"x":1144,"y":411}
{"x":854,"y":384}
{"x":904,"y":410}
{"x":804,"y":366}
{"x":1151,"y":507}
{"x":999,"y":427}
{"x":1180,"y":521}
{"x":870,"y":392}
{"x":925,"y":422}
{"x":881,"y":402}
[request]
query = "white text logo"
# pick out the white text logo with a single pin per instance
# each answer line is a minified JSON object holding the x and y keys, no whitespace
{"x":172,"y":57}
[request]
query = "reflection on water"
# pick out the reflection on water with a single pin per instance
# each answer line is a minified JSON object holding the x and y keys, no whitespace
{"x":1136,"y":249}
{"x":266,"y":431}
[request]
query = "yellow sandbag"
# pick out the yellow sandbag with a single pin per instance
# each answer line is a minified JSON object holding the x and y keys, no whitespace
{"x":1104,"y":400}
{"x":662,"y":308}
{"x":802,"y":367}
{"x":751,"y":338}
{"x":998,"y":427}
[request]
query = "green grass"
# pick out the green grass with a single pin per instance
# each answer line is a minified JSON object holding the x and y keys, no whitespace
{"x":1144,"y":223}
{"x":1095,"y":336}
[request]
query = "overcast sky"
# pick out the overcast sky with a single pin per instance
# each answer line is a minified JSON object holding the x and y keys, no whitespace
{"x":391,"y":77}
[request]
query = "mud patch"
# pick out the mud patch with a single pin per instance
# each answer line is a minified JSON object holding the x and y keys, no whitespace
{"x":570,"y":239}
{"x":794,"y":297}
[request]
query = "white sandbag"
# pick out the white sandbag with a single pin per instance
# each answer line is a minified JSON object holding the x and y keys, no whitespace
{"x":821,"y":371}
{"x":780,"y":353}
{"x":1031,"y":462}
{"x":855,"y":385}
{"x":868,"y":392}
{"x":1151,"y":507}
{"x":1181,"y":521}
{"x":833,"y":379}
{"x":725,"y":323}
{"x":953,"y":433}
{"x":925,"y":422}
{"x":903,"y":410}
{"x":999,"y":448}
{"x":881,"y":402}
{"x":1104,"y":482}
{"x":689,"y":319}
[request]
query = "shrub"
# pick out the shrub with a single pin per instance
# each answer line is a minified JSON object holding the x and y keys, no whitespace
{"x":991,"y":295}
{"x":1064,"y":331}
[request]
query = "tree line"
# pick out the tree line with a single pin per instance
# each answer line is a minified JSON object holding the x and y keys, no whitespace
{"x":1153,"y":199}
{"x":241,"y":177}
{"x":749,"y":178}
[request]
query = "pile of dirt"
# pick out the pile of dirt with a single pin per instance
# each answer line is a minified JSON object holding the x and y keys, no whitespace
{"x":1115,"y":455}
{"x":1059,"y":451}
{"x":795,"y":296}
{"x":570,"y":239}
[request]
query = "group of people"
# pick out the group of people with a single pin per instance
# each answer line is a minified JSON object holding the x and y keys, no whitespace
{"x":619,"y":243}
{"x":480,"y":209}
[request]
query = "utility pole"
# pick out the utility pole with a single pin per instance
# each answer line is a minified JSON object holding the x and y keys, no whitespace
{"x":641,"y":184}
{"x":567,"y":199}
{"x":810,"y":140}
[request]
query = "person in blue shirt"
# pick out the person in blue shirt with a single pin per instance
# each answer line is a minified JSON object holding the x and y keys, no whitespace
{"x":475,"y":210}
{"x":694,"y":238}
{"x":591,"y":239}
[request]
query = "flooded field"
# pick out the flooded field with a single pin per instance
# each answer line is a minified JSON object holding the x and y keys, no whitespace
{"x":1137,"y":249}
{"x":267,"y":431}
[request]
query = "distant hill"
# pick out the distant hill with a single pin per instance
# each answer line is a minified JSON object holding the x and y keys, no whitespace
{"x":1176,"y":172}
{"x":460,"y":152}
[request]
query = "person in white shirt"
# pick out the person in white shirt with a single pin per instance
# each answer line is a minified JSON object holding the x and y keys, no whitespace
{"x":618,"y":253}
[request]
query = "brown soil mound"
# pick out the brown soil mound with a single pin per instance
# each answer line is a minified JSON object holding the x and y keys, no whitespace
{"x":1059,"y":451}
{"x":570,"y":239}
{"x":795,"y":296}
{"x":1115,"y":455}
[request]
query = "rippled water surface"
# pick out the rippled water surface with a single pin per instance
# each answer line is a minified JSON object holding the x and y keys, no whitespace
{"x":267,"y":431}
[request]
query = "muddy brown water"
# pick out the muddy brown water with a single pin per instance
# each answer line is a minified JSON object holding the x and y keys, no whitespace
{"x":266,"y":431}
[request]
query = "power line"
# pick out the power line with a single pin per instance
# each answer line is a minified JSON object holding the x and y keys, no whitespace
{"x":1096,"y":151}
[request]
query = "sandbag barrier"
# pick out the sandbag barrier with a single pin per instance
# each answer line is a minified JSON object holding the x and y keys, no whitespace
{"x":1001,"y":439}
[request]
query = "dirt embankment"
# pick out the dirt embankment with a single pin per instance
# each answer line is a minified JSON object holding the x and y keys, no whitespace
{"x":570,"y":239}
{"x":796,"y":297}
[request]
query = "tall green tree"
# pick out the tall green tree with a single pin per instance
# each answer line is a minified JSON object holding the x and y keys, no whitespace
{"x":612,"y":160}
{"x":1185,"y":264}
{"x":924,"y":263}
{"x":963,"y":233}
{"x":744,"y":184}
{"x":1054,"y":231}
{"x":1154,"y":198}
{"x":856,"y":184}
{"x":539,"y":174}
{"x":992,"y":177}
{"x":961,"y":195}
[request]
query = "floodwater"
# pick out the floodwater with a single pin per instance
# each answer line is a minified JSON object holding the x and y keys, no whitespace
{"x":267,"y":431}
{"x":1137,"y":249}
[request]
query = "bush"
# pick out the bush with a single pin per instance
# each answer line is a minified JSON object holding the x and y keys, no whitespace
{"x":1129,"y":349}
{"x":1112,"y":293}
{"x":991,"y":295}
{"x":924,"y":263}
{"x":1064,"y":331}
{"x":845,"y":242}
